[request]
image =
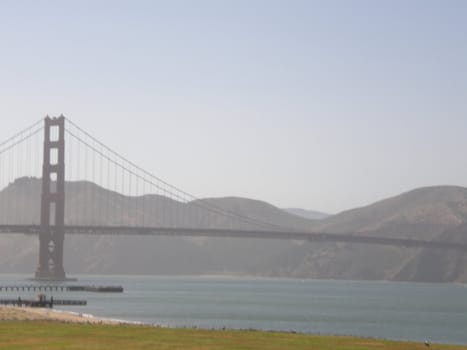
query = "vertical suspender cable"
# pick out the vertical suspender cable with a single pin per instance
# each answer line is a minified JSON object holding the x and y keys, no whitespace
{"x":122,"y":197}
{"x":86,"y":187}
{"x":130,"y":197}
{"x":107,"y":200}
{"x":95,"y":190}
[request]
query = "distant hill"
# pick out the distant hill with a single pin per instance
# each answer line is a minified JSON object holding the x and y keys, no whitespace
{"x":426,"y":213}
{"x":307,"y":214}
{"x":422,"y":213}
{"x":262,"y":211}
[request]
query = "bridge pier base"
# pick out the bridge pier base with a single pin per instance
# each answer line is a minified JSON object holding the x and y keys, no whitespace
{"x":50,"y":267}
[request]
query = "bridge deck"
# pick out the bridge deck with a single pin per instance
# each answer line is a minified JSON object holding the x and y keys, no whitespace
{"x":229,"y":233}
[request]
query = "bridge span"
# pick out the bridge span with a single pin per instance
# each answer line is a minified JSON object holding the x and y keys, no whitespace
{"x":229,"y":233}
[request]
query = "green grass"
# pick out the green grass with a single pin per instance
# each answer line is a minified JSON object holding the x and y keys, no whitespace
{"x":49,"y":335}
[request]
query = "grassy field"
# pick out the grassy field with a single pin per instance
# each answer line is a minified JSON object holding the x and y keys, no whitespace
{"x":50,"y":335}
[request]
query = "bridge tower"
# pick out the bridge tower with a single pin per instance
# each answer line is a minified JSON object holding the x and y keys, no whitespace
{"x":52,"y":231}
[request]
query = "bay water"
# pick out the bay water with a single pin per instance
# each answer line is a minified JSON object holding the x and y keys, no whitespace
{"x":390,"y":310}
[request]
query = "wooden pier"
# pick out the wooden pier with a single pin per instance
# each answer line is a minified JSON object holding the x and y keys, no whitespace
{"x":61,"y":288}
{"x":42,"y":301}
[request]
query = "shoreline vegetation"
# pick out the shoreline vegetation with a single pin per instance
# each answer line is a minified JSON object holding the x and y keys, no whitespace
{"x":25,"y":328}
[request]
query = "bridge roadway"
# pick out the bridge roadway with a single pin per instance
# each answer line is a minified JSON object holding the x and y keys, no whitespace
{"x":231,"y":233}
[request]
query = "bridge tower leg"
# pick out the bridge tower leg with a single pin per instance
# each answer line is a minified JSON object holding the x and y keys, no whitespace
{"x":52,"y":202}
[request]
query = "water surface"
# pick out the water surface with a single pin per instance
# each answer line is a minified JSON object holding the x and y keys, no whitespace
{"x":408,"y":311}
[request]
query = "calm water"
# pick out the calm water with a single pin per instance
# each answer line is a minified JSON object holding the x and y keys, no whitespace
{"x":409,"y":311}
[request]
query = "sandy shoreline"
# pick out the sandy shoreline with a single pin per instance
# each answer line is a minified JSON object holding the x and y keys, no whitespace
{"x":13,"y":313}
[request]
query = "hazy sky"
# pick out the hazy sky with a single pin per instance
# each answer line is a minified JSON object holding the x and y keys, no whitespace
{"x":318,"y":104}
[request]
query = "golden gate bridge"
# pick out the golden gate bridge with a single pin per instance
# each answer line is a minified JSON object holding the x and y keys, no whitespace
{"x":84,"y":187}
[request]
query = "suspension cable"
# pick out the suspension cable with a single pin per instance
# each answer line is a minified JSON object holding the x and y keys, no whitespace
{"x":175,"y":192}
